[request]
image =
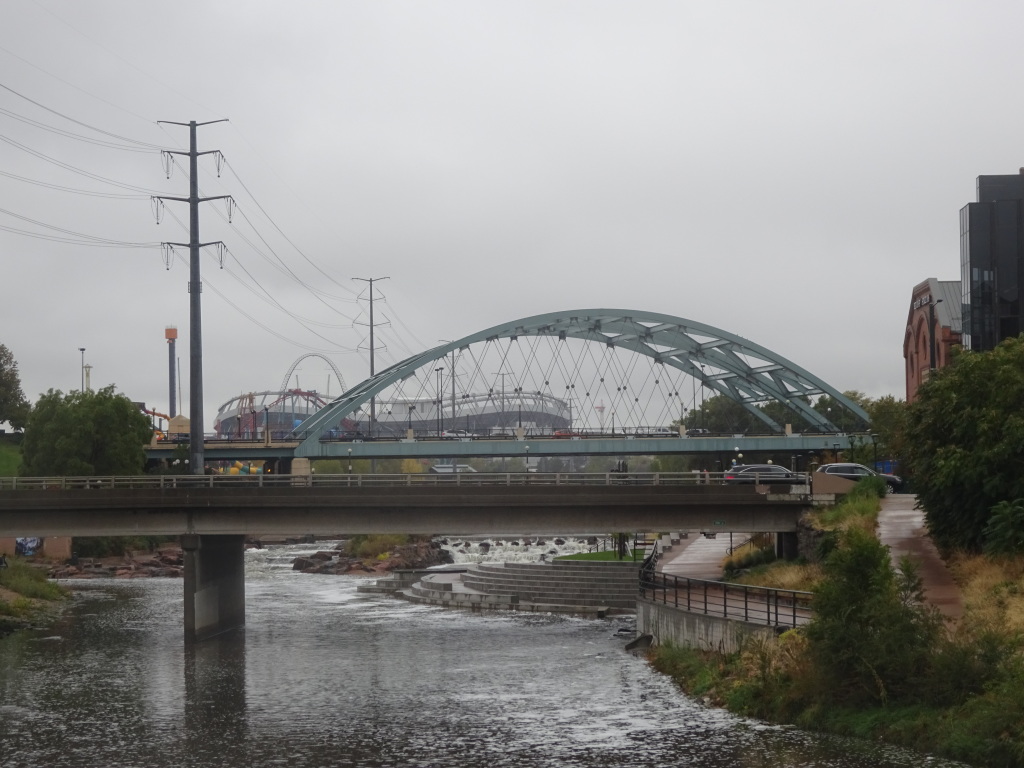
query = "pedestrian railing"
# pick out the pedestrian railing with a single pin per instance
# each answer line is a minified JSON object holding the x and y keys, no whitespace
{"x":739,"y":602}
{"x":367,"y":480}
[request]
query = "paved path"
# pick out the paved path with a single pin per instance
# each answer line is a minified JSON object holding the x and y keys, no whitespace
{"x":902,"y":529}
{"x":698,"y":557}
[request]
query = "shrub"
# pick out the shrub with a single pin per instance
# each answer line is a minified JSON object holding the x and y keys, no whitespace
{"x":29,"y":582}
{"x":1004,"y":534}
{"x":371,"y":547}
{"x":871,"y":636}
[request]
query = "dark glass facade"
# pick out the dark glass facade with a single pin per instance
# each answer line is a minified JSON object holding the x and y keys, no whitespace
{"x":991,"y":259}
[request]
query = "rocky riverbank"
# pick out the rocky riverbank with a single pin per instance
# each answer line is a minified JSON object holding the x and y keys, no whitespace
{"x":166,"y":562}
{"x":424,"y":554}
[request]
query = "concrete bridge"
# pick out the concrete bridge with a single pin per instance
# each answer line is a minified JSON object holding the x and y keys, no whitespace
{"x":214,"y":514}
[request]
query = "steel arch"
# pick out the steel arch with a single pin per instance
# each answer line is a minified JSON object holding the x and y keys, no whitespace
{"x":684,"y":344}
{"x":288,"y":376}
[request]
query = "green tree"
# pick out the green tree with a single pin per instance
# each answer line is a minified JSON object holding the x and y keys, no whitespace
{"x":84,"y":433}
{"x":723,"y":415}
{"x":872,"y":636}
{"x":965,"y":442}
{"x":14,"y":407}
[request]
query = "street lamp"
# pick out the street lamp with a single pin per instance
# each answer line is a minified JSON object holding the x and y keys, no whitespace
{"x":411,"y":409}
{"x":266,"y":421}
{"x":440,"y":420}
{"x":350,"y":461}
{"x":82,"y":350}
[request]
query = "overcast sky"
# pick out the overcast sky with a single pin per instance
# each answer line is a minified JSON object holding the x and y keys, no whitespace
{"x":785,"y":171}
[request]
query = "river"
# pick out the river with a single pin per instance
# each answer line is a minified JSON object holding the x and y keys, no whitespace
{"x":325,"y":676}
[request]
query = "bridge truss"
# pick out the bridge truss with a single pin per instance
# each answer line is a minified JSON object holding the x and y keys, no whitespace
{"x":639,"y":368}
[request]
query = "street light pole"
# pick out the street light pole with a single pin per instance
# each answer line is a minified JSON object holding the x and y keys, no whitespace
{"x":440,"y":402}
{"x":82,"y":350}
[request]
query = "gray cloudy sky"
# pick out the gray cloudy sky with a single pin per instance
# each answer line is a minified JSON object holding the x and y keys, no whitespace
{"x":786,"y":171}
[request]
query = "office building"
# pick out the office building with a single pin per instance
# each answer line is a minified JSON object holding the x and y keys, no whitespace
{"x":991,"y":260}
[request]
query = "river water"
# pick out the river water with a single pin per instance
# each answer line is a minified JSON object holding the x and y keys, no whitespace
{"x":325,"y":676}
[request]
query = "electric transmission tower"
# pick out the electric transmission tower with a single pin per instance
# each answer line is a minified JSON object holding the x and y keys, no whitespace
{"x":195,"y":288}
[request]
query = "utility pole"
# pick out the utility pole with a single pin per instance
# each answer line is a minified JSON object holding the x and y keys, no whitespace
{"x":373,"y":400}
{"x":195,"y":288}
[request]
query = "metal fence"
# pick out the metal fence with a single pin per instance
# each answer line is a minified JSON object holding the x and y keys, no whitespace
{"x":368,"y":480}
{"x":756,"y":605}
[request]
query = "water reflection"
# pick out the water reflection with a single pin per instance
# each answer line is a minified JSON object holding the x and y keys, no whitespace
{"x":215,"y":712}
{"x":324,"y":676}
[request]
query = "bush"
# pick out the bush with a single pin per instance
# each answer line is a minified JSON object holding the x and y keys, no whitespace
{"x":29,"y":582}
{"x":871,"y":636}
{"x":371,"y":547}
{"x":1004,"y":534}
{"x":116,"y":546}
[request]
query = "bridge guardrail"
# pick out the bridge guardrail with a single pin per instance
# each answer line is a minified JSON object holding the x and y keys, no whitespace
{"x":365,"y":480}
{"x":740,"y":602}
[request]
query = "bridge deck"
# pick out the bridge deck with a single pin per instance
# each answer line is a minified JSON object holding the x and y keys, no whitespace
{"x":349,"y":504}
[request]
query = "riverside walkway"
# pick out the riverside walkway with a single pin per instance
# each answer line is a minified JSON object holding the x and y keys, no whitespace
{"x":901,"y":527}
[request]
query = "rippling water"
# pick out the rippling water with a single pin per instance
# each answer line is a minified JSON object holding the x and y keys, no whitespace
{"x":324,"y":676}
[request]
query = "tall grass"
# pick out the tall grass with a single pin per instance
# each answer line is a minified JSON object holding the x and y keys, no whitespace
{"x":29,"y":582}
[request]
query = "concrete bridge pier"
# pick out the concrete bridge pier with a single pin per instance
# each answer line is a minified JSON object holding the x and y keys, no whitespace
{"x":214,"y":584}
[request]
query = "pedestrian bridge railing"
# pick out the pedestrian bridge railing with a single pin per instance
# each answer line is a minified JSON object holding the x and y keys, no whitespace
{"x":370,"y":480}
{"x":755,"y":605}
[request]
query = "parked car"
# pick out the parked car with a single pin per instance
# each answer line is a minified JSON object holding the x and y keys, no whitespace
{"x":859,"y":472}
{"x":697,"y":432}
{"x":760,"y":473}
{"x":656,"y":432}
{"x":456,"y":434}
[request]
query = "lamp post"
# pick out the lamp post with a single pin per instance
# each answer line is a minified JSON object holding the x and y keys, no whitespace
{"x":931,"y":332}
{"x":440,"y":420}
{"x":411,"y":409}
{"x":350,"y":461}
{"x":266,"y":421}
{"x":82,"y":350}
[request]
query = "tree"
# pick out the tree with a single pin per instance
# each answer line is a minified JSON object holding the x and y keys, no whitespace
{"x":872,"y":635}
{"x":85,"y":433}
{"x":965,"y":442}
{"x":13,"y":405}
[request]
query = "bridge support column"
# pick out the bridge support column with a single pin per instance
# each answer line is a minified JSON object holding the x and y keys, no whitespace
{"x":214,"y":584}
{"x":786,"y":545}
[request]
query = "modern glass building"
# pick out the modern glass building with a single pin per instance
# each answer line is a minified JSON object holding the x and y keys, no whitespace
{"x":991,"y":261}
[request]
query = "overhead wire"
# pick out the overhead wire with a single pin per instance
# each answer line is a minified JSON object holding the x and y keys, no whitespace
{"x":73,"y":169}
{"x":84,"y":239}
{"x":60,"y":188}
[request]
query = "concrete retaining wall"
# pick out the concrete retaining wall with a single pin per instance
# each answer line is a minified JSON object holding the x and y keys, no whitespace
{"x":668,"y":624}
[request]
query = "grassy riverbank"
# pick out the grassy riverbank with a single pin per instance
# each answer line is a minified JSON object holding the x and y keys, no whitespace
{"x":877,"y":662}
{"x":27,"y":597}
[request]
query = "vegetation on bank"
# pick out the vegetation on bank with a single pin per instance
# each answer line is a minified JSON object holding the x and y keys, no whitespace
{"x":964,"y":434}
{"x":605,"y":556}
{"x":877,"y":661}
{"x":26,"y":596}
{"x":10,"y":458}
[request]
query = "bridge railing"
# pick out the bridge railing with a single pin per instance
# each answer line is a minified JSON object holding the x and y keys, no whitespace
{"x":368,"y":480}
{"x":740,"y":602}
